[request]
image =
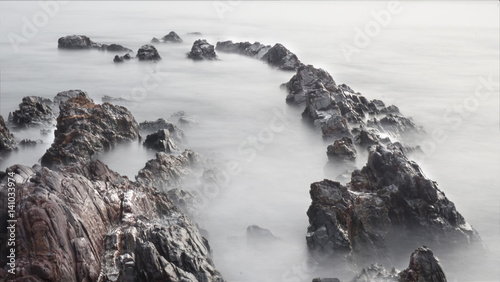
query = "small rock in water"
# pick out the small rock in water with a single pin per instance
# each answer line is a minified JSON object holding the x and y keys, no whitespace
{"x":256,"y":234}
{"x":7,"y":141}
{"x":30,"y":142}
{"x":202,"y":50}
{"x":155,"y":40}
{"x":161,"y":141}
{"x":172,"y":37}
{"x":148,"y":53}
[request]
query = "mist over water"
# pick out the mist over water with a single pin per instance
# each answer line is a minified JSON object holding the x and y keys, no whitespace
{"x":428,"y":61}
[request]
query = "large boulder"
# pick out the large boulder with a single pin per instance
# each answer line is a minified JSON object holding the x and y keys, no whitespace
{"x":161,"y":141}
{"x":7,"y":141}
{"x":76,"y":42}
{"x":388,"y":203}
{"x":172,"y":37}
{"x":202,"y":50}
{"x":148,"y":53}
{"x":85,"y":129}
{"x":307,"y":79}
{"x":85,"y":222}
{"x":34,"y":112}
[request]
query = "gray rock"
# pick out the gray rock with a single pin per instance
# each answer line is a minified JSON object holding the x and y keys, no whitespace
{"x":149,"y":127}
{"x":161,"y":141}
{"x":7,"y":141}
{"x":281,"y":58}
{"x":148,"y":53}
{"x":172,"y":37}
{"x":307,"y":80}
{"x":64,"y":96}
{"x":256,"y":234}
{"x":34,"y":112}
{"x":341,"y":150}
{"x":424,"y":266}
{"x":202,"y":50}
{"x":76,"y":42}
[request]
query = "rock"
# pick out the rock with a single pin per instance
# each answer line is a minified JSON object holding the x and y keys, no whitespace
{"x":148,"y":53}
{"x":118,"y":59}
{"x":400,"y":126}
{"x":202,"y":50}
{"x":390,"y":110}
{"x":149,"y":127}
{"x":254,"y":50}
{"x":326,"y":280}
{"x":30,"y":143}
{"x":172,"y":37}
{"x":155,"y":40}
{"x":256,"y":234}
{"x":85,"y":222}
{"x":76,"y":42}
{"x":34,"y":112}
{"x":64,"y":96}
{"x":336,"y":127}
{"x":7,"y":141}
{"x":117,"y":48}
{"x":188,"y":202}
{"x":282,"y":58}
{"x":85,"y":129}
{"x":161,"y":141}
{"x":366,"y":138}
{"x":376,"y":273}
{"x":424,"y":266}
{"x":342,"y":150}
{"x":387,"y":203}
{"x":183,"y":119}
{"x":307,"y":80}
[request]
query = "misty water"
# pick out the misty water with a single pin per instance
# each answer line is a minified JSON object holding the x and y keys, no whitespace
{"x":428,"y":60}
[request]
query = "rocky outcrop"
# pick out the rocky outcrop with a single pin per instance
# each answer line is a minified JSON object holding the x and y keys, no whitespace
{"x":148,"y":53}
{"x":148,"y":127}
{"x":85,"y":222}
{"x":387,"y":203}
{"x":121,"y":59}
{"x":85,"y":129}
{"x":202,"y":50}
{"x":172,"y":37}
{"x":277,"y":55}
{"x":161,"y":141}
{"x":84,"y":42}
{"x":341,"y":150}
{"x":7,"y":141}
{"x":34,"y":112}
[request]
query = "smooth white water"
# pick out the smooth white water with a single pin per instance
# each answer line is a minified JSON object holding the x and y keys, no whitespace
{"x":429,"y":58}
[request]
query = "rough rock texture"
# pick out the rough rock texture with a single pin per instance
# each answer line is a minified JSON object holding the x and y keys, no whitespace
{"x":85,"y":129}
{"x":87,"y":223}
{"x":149,"y":127}
{"x":377,"y":273}
{"x":202,"y":50}
{"x":34,"y":112}
{"x":305,"y":81}
{"x":64,"y":96}
{"x":341,"y":150}
{"x":388,"y":202}
{"x":7,"y":141}
{"x":148,"y":53}
{"x":172,"y":37}
{"x":161,"y":141}
{"x":84,"y":42}
{"x":277,"y":55}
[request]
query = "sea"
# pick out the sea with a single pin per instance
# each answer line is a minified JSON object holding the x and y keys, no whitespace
{"x":438,"y":62}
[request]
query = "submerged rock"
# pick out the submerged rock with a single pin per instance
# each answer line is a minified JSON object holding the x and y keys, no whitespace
{"x":34,"y":112}
{"x":7,"y":141}
{"x":155,"y":40}
{"x":148,"y":53}
{"x":149,"y":127}
{"x":256,"y":234}
{"x":85,"y":222}
{"x":172,"y":37}
{"x":85,"y":129}
{"x":30,"y":142}
{"x":161,"y":141}
{"x":342,"y":150}
{"x":84,"y":42}
{"x":387,"y":203}
{"x":202,"y":50}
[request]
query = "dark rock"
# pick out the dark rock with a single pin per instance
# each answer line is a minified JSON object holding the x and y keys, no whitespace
{"x":7,"y":141}
{"x":149,"y":127}
{"x":282,"y":58}
{"x":76,"y":42}
{"x":148,"y":53}
{"x":326,"y":280}
{"x":87,"y":223}
{"x":45,"y":131}
{"x":307,"y":80}
{"x":366,"y":138}
{"x":117,"y":48}
{"x":33,"y":112}
{"x":188,"y":202}
{"x":388,"y":203}
{"x":256,"y":234}
{"x":254,"y":50}
{"x":155,"y":40}
{"x":376,"y":273}
{"x":202,"y":50}
{"x":64,"y":96}
{"x":30,"y":143}
{"x":424,"y":266}
{"x":172,"y":37}
{"x":342,"y":150}
{"x":118,"y":59}
{"x":161,"y":141}
{"x":85,"y":129}
{"x":336,"y":127}
{"x":390,"y":110}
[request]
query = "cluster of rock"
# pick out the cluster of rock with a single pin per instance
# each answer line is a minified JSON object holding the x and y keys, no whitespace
{"x":84,"y":42}
{"x":423,"y":266}
{"x":7,"y":141}
{"x":202,"y":50}
{"x":170,"y":37}
{"x":276,"y":56}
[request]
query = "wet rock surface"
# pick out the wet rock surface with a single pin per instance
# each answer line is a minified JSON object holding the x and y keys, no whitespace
{"x":7,"y":141}
{"x":278,"y":55}
{"x":85,"y":222}
{"x":34,"y":111}
{"x":202,"y":50}
{"x":148,"y":53}
{"x":85,"y":129}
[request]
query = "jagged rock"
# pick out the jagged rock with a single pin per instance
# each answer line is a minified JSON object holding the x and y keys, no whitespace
{"x":167,"y":171}
{"x":148,"y":53}
{"x":188,"y":202}
{"x":366,"y":138}
{"x":387,"y":203}
{"x":64,"y":96}
{"x":155,"y":40}
{"x":202,"y":50}
{"x":116,"y":48}
{"x":390,"y":110}
{"x":336,"y":127}
{"x":254,"y":50}
{"x":256,"y":234}
{"x":376,"y":273}
{"x":399,"y":125}
{"x":306,"y":80}
{"x":149,"y":127}
{"x":76,"y":42}
{"x":30,"y":142}
{"x":161,"y":141}
{"x":424,"y":266}
{"x":341,"y":150}
{"x":194,"y":33}
{"x":85,"y":222}
{"x":33,"y":112}
{"x":282,"y":58}
{"x":172,"y":37}
{"x":85,"y":129}
{"x":7,"y":141}
{"x":118,"y":59}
